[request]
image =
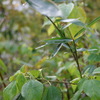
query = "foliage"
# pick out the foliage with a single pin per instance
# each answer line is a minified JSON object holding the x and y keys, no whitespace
{"x":66,"y":76}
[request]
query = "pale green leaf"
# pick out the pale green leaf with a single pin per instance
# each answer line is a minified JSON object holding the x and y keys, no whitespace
{"x":75,"y":80}
{"x":10,"y":91}
{"x":59,"y":0}
{"x":66,"y":9}
{"x":42,"y":46}
{"x":73,"y":70}
{"x":77,"y":13}
{"x":96,"y":71}
{"x":32,"y":90}
{"x":51,"y":29}
{"x":74,"y":21}
{"x":3,"y":66}
{"x":35,"y":73}
{"x":13,"y":77}
{"x":83,"y":49}
{"x":56,"y":50}
{"x":20,"y":80}
{"x":47,"y":8}
{"x":90,"y":24}
{"x":65,"y":26}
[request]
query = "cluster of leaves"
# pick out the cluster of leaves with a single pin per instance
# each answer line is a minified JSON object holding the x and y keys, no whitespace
{"x":68,"y":21}
{"x":24,"y":86}
{"x":17,"y":40}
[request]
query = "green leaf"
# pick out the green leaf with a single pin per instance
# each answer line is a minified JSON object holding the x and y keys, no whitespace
{"x":94,"y":57}
{"x":47,"y":8}
{"x":77,"y":13}
{"x":51,"y":29}
{"x":88,"y":69}
{"x":23,"y":63}
{"x":66,"y":9}
{"x":66,"y":46}
{"x":88,"y":25}
{"x":52,"y":93}
{"x":35,"y":73}
{"x":25,"y":68}
{"x":75,"y":80}
{"x":3,"y":66}
{"x":96,"y":71}
{"x":58,"y":0}
{"x":20,"y":80}
{"x":58,"y":40}
{"x":56,"y":50}
{"x":73,"y":70}
{"x":42,"y":46}
{"x":74,"y":21}
{"x":65,"y":26}
{"x":76,"y":95}
{"x":85,"y":98}
{"x":10,"y":91}
{"x":92,"y":89}
{"x":80,"y":84}
{"x":48,"y":22}
{"x":83,"y":49}
{"x":12,"y":78}
{"x":32,"y":90}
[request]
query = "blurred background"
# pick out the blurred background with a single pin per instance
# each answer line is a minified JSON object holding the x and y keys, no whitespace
{"x":21,"y":31}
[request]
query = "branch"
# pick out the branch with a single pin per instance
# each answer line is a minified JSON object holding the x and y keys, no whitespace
{"x":60,"y":33}
{"x":2,"y":79}
{"x":67,"y":87}
{"x":57,"y":81}
{"x":75,"y":55}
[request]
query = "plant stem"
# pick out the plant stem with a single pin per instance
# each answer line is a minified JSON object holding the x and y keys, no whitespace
{"x":57,"y":81}
{"x":2,"y":80}
{"x":60,"y":33}
{"x":76,"y":58}
{"x":67,"y":87}
{"x":75,"y":55}
{"x":88,"y":25}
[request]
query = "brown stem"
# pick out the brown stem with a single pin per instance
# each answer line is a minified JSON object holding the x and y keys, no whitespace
{"x":60,"y":33}
{"x":76,"y":58}
{"x":2,"y":80}
{"x":41,"y":79}
{"x":75,"y":55}
{"x":54,"y":24}
{"x":67,"y":87}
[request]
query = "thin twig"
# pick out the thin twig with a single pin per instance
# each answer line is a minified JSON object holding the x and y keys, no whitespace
{"x":75,"y":55}
{"x":2,"y":80}
{"x":56,"y":81}
{"x":67,"y":87}
{"x":56,"y":27}
{"x":54,"y":24}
